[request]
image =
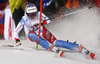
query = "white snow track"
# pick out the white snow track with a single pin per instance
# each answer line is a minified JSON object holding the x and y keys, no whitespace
{"x":32,"y":56}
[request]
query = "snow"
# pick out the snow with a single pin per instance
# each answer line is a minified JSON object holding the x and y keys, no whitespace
{"x":41,"y":56}
{"x":83,"y":27}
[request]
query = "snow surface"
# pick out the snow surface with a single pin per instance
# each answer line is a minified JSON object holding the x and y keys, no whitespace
{"x":83,"y":27}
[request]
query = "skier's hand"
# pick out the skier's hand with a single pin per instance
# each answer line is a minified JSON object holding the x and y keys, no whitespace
{"x":18,"y":43}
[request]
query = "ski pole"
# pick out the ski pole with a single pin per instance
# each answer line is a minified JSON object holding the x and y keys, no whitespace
{"x":39,"y":24}
{"x":70,"y":13}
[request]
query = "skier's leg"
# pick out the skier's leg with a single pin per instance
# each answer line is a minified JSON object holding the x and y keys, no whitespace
{"x":51,"y":38}
{"x":65,"y":44}
{"x":48,"y":35}
{"x":59,"y":43}
{"x":33,"y":37}
{"x":74,"y":47}
{"x":69,"y":45}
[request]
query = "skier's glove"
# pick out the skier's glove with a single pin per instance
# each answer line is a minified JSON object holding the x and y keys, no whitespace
{"x":18,"y":43}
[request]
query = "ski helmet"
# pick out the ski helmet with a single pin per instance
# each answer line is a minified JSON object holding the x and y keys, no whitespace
{"x":31,"y":9}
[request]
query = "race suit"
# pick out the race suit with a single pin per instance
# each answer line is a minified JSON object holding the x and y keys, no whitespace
{"x":46,"y":38}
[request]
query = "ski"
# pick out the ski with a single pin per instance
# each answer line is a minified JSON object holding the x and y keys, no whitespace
{"x":58,"y":51}
{"x":8,"y":45}
{"x":12,"y":47}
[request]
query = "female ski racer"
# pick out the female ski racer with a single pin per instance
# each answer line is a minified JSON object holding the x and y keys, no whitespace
{"x":30,"y":22}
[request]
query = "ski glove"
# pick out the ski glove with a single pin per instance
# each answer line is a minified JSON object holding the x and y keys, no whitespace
{"x":17,"y":42}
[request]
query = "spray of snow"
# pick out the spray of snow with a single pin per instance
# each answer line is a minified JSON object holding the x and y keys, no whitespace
{"x":82,"y":27}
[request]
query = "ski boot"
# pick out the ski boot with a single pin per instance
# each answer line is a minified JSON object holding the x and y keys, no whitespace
{"x":85,"y":51}
{"x":57,"y":50}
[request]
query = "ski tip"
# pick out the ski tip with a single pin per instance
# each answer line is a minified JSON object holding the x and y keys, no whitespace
{"x":61,"y":54}
{"x":92,"y":55}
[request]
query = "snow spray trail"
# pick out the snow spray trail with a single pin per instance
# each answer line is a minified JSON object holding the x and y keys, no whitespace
{"x":82,"y":27}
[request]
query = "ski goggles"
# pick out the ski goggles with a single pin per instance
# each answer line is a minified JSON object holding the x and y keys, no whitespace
{"x":31,"y":14}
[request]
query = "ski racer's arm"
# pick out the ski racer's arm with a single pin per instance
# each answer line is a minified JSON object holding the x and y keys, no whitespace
{"x":44,"y":17}
{"x":18,"y":29}
{"x":44,"y":20}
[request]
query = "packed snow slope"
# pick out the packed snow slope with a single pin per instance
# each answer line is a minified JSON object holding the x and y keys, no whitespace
{"x":83,"y":27}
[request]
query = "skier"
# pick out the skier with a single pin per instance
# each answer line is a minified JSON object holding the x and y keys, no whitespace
{"x":30,"y":22}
